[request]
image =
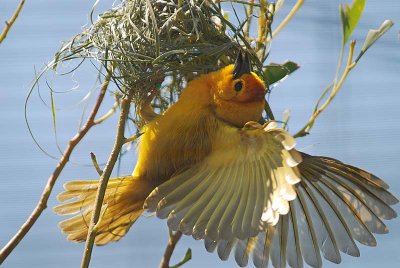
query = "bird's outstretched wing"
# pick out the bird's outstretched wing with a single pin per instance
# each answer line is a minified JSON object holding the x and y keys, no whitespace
{"x":336,"y":205}
{"x":243,"y":185}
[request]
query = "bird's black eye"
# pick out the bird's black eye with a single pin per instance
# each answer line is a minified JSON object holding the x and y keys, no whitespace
{"x":238,"y":86}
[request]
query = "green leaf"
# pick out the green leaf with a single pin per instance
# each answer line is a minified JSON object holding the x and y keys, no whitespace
{"x":373,"y":35}
{"x":350,"y":16}
{"x":275,"y":72}
{"x":53,"y":110}
{"x":186,"y":258}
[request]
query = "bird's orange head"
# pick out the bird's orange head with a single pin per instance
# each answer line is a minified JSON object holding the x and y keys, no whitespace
{"x":238,"y":94}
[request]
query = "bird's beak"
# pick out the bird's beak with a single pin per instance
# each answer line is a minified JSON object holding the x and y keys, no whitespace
{"x":242,"y":66}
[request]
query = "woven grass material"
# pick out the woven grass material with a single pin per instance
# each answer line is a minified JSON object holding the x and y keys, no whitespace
{"x":149,"y":42}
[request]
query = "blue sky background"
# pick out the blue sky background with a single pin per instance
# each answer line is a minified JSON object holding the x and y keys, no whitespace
{"x":361,"y":127}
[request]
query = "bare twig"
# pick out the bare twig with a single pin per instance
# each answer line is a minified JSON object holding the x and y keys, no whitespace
{"x":173,"y":240}
{"x":261,"y":26}
{"x":268,"y":110}
{"x":119,"y":141}
{"x":11,"y":22}
{"x":95,"y":164}
{"x":349,"y":66}
{"x":133,"y":138}
{"x":108,"y":114}
{"x":42,"y":204}
{"x":249,"y":15}
{"x":285,"y":21}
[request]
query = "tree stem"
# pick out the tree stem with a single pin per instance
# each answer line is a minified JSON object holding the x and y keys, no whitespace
{"x":3,"y":35}
{"x":42,"y":204}
{"x":285,"y":21}
{"x":173,"y":240}
{"x":105,"y":176}
{"x":349,"y":66}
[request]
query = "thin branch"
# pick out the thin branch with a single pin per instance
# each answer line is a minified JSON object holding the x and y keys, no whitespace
{"x":11,"y":22}
{"x":119,"y":141}
{"x":133,"y":138}
{"x":261,"y":26}
{"x":285,"y":21}
{"x":42,"y":204}
{"x":241,"y":2}
{"x":108,"y":114}
{"x":173,"y":240}
{"x":285,"y":119}
{"x":268,"y":111}
{"x":267,"y":11}
{"x":249,"y":15}
{"x":95,"y":164}
{"x":349,"y":66}
{"x":339,"y":64}
{"x":269,"y":17}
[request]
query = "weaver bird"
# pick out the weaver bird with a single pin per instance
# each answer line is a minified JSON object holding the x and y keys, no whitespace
{"x":214,"y":173}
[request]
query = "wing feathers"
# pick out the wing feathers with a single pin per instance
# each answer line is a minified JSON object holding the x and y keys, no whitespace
{"x":250,"y":211}
{"x":342,"y":231}
{"x":294,"y":257}
{"x":279,"y":242}
{"x":260,"y":193}
{"x":225,"y":248}
{"x":241,"y":209}
{"x":347,"y":204}
{"x":210,"y":244}
{"x":357,"y":227}
{"x":198,"y":188}
{"x":205,"y":208}
{"x":214,"y":225}
{"x":255,"y":196}
{"x":263,"y":247}
{"x":325,"y":233}
{"x":243,"y":248}
{"x":225,"y":225}
{"x":364,"y":175}
{"x":245,"y":183}
{"x":308,"y":244}
{"x":366,"y":181}
{"x":368,"y":207}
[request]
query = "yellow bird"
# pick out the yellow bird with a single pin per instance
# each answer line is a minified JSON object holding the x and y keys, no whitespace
{"x":214,"y":173}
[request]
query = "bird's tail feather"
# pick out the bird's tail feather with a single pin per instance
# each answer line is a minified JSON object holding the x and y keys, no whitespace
{"x":122,"y":205}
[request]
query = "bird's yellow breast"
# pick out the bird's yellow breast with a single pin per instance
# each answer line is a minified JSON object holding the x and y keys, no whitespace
{"x":177,"y":139}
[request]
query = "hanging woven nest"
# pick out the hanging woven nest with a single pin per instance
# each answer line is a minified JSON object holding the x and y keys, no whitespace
{"x":147,"y":43}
